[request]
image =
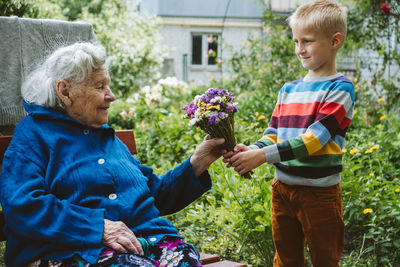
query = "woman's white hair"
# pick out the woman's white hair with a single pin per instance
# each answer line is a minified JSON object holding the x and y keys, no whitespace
{"x":73,"y":63}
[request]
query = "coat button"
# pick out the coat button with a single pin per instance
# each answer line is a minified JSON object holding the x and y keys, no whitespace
{"x":112,"y":196}
{"x":86,"y":132}
{"x":153,"y":239}
{"x":101,"y":161}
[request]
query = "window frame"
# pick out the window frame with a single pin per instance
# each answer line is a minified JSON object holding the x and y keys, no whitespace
{"x":204,"y":50}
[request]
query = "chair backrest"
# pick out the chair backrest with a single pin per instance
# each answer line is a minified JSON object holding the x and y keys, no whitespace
{"x":126,"y":136}
{"x":24,"y":43}
{"x":4,"y":142}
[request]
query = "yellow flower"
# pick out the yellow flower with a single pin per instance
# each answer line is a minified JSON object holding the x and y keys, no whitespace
{"x":369,"y":151}
{"x":256,"y":113}
{"x":261,"y":117}
{"x":344,"y":150}
{"x":355,"y":111}
{"x":210,"y":107}
{"x":354,"y":151}
{"x":243,"y":122}
{"x":380,"y":100}
{"x":197,"y":135}
{"x":371,"y":174}
{"x":375,"y":147}
{"x":397,"y":190}
{"x":367,"y":211}
{"x":355,"y":79}
{"x":234,"y":123}
{"x":372,"y":149}
{"x":382,"y":117}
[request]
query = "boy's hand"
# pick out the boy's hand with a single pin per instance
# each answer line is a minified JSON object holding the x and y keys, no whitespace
{"x":227,"y":155}
{"x":247,"y":160}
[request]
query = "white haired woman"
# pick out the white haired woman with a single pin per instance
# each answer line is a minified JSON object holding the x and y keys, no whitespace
{"x":72,"y":193}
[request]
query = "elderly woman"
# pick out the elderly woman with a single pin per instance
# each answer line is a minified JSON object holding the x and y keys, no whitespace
{"x":72,"y":193}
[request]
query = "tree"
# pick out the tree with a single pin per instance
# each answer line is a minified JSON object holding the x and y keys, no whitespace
{"x":17,"y":8}
{"x":374,"y":27}
{"x":131,"y":40}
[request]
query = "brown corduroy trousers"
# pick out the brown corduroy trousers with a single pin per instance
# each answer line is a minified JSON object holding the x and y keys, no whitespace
{"x":307,"y":213}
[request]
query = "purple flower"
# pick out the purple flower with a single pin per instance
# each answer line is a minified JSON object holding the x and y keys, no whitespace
{"x":231,"y":109}
{"x":212,"y":120}
{"x":190,"y":109}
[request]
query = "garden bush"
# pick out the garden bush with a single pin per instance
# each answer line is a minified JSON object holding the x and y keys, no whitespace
{"x":233,"y":219}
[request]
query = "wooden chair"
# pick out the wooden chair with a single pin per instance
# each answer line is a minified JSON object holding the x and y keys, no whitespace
{"x":128,"y":138}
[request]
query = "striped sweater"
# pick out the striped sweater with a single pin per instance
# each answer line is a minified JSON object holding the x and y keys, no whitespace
{"x":305,"y":136}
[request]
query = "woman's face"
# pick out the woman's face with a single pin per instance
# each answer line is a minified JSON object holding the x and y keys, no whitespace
{"x":90,"y":100}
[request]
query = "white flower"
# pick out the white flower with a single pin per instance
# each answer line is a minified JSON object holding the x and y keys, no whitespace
{"x":196,"y":99}
{"x":192,"y":122}
{"x":216,"y":99}
{"x":146,"y":89}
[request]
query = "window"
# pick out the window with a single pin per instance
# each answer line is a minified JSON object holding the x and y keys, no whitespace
{"x":196,"y":49}
{"x":205,"y":49}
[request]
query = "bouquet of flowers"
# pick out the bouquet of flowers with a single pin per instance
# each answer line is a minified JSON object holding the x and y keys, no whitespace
{"x":214,"y":113}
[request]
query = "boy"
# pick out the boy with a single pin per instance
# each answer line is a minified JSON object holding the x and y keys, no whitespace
{"x":304,"y":141}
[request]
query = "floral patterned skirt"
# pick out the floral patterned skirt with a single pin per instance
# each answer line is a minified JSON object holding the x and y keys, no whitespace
{"x":169,"y":252}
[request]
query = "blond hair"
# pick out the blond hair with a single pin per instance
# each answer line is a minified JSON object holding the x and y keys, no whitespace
{"x":324,"y":15}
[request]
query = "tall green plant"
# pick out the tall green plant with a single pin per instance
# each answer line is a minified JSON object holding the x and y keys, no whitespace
{"x":371,"y":186}
{"x":373,"y":41}
{"x":132,"y":42}
{"x":17,"y":8}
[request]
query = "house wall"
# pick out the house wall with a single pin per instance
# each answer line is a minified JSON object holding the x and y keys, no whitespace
{"x":234,"y":20}
{"x":285,"y":6}
{"x":203,"y":8}
{"x":176,"y":34}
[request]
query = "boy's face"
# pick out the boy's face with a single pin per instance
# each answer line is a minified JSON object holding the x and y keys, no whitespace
{"x":315,"y":50}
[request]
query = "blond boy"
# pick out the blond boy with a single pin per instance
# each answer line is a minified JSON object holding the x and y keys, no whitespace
{"x":304,"y":141}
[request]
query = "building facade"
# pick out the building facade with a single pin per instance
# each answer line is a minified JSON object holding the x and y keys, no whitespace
{"x":198,"y":32}
{"x":195,"y":29}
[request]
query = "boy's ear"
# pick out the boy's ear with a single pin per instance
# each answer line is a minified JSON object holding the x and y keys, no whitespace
{"x":337,"y":40}
{"x":63,"y":89}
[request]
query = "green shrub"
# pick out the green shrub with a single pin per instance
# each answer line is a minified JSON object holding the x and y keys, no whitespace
{"x":131,"y":41}
{"x":371,"y":186}
{"x":233,"y":219}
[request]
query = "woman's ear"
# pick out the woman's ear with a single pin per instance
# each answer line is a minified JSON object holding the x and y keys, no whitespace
{"x":337,"y":40}
{"x":63,"y":89}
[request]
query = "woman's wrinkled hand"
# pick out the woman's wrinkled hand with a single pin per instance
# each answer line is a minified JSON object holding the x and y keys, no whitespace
{"x":119,"y":237}
{"x":206,"y":153}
